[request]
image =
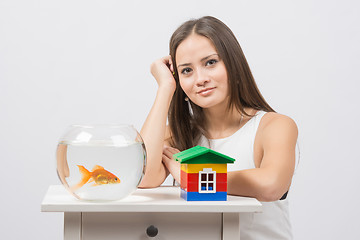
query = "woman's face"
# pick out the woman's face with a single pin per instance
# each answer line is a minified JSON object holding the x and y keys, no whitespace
{"x":202,"y":73}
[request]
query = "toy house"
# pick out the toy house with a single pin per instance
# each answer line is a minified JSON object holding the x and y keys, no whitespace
{"x":203,"y":175}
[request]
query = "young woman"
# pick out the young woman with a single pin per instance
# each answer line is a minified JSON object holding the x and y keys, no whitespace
{"x":209,"y":96}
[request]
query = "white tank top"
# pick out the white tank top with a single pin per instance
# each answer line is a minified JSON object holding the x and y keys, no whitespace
{"x":274,"y":222}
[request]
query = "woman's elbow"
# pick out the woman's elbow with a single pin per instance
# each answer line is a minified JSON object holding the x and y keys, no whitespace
{"x":149,"y":184}
{"x":268,"y":196}
{"x":153,"y":181}
{"x":271,"y":192}
{"x":144,"y":185}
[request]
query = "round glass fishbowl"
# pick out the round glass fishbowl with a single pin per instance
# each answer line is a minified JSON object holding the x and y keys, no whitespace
{"x":101,"y":162}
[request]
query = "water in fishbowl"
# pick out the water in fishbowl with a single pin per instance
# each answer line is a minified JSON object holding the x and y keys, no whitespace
{"x":100,"y":171}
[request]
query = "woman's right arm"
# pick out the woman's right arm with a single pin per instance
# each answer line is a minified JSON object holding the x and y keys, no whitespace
{"x":154,"y":129}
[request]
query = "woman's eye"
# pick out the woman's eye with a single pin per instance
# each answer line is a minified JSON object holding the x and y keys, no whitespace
{"x":211,"y":62}
{"x":186,"y":71}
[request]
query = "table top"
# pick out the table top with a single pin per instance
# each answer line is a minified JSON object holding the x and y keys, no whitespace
{"x":161,"y":199}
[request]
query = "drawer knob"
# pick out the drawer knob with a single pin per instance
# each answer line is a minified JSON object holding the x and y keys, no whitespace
{"x":152,"y":231}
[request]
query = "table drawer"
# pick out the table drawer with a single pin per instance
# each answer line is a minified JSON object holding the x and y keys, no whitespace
{"x":170,"y":226}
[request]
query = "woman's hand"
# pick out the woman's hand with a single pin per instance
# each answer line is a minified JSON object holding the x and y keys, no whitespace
{"x":162,"y":69}
{"x":172,"y":165}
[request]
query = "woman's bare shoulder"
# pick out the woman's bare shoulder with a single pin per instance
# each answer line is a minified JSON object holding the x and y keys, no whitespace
{"x":277,"y":124}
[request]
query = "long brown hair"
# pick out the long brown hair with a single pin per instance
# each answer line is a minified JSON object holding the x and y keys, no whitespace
{"x":186,"y":119}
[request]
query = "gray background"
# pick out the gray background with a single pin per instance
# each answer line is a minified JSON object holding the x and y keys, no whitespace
{"x":66,"y":62}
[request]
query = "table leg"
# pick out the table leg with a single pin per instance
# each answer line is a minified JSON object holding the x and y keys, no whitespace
{"x":72,"y":226}
{"x":231,"y":226}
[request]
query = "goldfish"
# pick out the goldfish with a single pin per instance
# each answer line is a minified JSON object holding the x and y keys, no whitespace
{"x":98,"y":175}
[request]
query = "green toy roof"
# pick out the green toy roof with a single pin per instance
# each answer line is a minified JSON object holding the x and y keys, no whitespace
{"x":201,"y":155}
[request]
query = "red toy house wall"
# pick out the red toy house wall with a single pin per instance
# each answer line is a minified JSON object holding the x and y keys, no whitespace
{"x":190,"y":182}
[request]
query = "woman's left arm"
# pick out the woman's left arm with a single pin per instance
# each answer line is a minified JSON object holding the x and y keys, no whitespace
{"x":272,"y":179}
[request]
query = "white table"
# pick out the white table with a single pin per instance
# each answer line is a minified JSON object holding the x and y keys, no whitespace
{"x":161,"y":207}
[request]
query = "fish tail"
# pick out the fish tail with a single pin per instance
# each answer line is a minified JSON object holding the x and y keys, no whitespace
{"x":85,"y":176}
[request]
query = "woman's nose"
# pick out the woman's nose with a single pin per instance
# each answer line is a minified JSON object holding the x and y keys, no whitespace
{"x":201,"y":78}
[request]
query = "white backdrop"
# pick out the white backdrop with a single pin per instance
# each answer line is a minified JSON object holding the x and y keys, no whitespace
{"x":66,"y":62}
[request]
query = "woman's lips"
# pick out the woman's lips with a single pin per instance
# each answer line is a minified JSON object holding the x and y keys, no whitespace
{"x":206,"y":91}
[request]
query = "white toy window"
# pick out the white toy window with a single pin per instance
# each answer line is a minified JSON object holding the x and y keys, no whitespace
{"x":207,"y":181}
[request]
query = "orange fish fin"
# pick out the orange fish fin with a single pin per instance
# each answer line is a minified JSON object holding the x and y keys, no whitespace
{"x":97,"y":167}
{"x":85,"y":176}
{"x":94,"y":185}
